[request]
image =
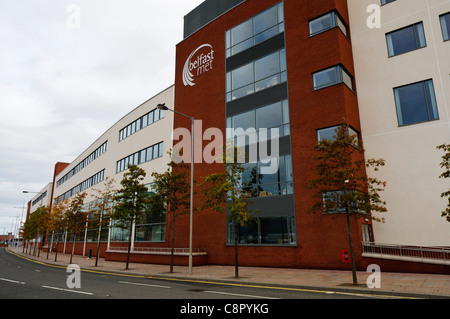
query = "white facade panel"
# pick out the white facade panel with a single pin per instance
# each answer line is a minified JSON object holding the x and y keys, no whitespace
{"x":412,"y":169}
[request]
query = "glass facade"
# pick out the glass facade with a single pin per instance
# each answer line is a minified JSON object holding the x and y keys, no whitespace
{"x":252,"y":125}
{"x":255,"y":30}
{"x":258,"y":75}
{"x":279,"y":230}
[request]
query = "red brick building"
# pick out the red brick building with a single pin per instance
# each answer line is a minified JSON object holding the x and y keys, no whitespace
{"x":256,"y":59}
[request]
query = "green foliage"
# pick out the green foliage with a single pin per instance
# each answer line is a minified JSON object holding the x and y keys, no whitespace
{"x":103,"y":203}
{"x":75,"y":216}
{"x":132,"y":199}
{"x":341,"y":183}
{"x":38,"y":223}
{"x":171,"y":190}
{"x":445,"y":164}
{"x":223,"y":191}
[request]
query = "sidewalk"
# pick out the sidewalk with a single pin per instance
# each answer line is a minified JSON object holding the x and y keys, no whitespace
{"x":393,"y":284}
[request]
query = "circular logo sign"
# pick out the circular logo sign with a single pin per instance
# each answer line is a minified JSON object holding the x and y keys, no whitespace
{"x":199,"y":62}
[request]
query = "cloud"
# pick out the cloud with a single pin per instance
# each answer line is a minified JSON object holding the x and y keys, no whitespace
{"x":57,"y":81}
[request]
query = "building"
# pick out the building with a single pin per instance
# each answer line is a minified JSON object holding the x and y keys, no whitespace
{"x":303,"y":66}
{"x":267,"y":64}
{"x":403,"y":83}
{"x":300,"y":67}
{"x":141,"y":137}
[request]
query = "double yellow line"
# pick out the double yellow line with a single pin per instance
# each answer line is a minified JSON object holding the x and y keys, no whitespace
{"x":215,"y":282}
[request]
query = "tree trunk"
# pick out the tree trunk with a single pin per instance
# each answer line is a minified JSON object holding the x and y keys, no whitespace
{"x":355,"y":279}
{"x":236,"y":263}
{"x":73,"y":248}
{"x":129,"y":244}
{"x":173,"y":243}
{"x":98,"y":239}
{"x":56,"y":251}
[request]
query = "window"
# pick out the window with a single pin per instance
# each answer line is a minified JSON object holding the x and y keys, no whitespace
{"x":145,"y":155}
{"x":332,"y":76}
{"x":85,"y":162}
{"x":445,"y":25}
{"x":327,"y":22}
{"x":141,"y":123}
{"x":256,"y":30}
{"x":256,"y":184}
{"x":405,"y":40}
{"x":256,"y":76}
{"x":334,"y":202}
{"x":271,"y":116}
{"x":416,"y":103}
{"x":275,"y":230}
{"x":383,"y":2}
{"x":329,"y":133}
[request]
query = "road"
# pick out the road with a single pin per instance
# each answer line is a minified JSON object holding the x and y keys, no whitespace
{"x":24,"y":279}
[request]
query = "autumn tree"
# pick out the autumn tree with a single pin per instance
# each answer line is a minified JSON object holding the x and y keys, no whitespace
{"x":445,"y":164}
{"x":224,"y":192}
{"x":341,"y":184}
{"x":75,"y":218}
{"x":171,"y":194}
{"x":37,"y":225}
{"x":131,"y":201}
{"x":57,"y":221}
{"x":103,"y":208}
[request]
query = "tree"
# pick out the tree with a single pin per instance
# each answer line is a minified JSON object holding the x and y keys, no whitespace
{"x":223,"y":191}
{"x":172,"y":193}
{"x":341,"y":183}
{"x":75,"y":218}
{"x":446,"y":165}
{"x":102,"y":209}
{"x":36,"y":226}
{"x":57,"y":221}
{"x":131,"y":201}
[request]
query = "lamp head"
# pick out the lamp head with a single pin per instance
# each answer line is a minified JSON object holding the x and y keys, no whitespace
{"x":162,"y":107}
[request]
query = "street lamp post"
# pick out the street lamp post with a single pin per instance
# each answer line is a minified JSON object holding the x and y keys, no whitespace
{"x":165,"y":108}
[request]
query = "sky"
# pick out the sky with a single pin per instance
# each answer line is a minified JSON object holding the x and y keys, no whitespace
{"x":69,"y":70}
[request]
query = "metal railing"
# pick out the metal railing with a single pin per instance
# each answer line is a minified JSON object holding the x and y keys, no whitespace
{"x":405,"y":252}
{"x":161,"y":250}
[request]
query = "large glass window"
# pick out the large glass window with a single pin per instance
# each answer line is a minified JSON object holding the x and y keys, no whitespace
{"x":445,"y":25}
{"x":268,"y":117}
{"x":141,"y":123}
{"x":406,"y":39}
{"x":327,"y":22}
{"x":416,"y":103}
{"x":256,"y":30}
{"x":276,"y":230}
{"x":331,"y":76}
{"x":329,"y":133}
{"x":256,"y":184}
{"x":145,"y":155}
{"x":256,"y":76}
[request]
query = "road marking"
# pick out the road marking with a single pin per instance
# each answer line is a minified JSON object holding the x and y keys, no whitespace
{"x":211,"y":282}
{"x":69,"y":290}
{"x":139,"y":284}
{"x":13,"y":281}
{"x":239,"y":295}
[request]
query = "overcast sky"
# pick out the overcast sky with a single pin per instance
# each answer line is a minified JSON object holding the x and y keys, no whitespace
{"x":70,"y":69}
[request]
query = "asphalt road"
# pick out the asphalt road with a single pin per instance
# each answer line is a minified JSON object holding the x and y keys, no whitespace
{"x":24,"y":279}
